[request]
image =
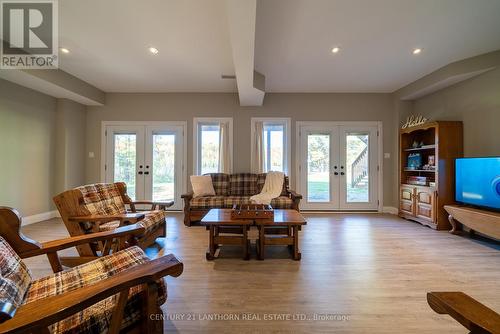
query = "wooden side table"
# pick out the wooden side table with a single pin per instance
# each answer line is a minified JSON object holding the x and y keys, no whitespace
{"x":219,"y":221}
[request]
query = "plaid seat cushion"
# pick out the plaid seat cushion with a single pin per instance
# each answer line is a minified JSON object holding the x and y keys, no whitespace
{"x":261,"y":179}
{"x":282,"y":202}
{"x":15,"y":277}
{"x":220,"y":181}
{"x":95,"y":319}
{"x":151,"y":221}
{"x":207,"y":202}
{"x":102,"y":199}
{"x":229,"y":201}
{"x":243,"y":184}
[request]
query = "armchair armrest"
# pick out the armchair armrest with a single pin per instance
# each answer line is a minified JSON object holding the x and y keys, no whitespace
{"x":46,"y":311}
{"x":473,"y":315}
{"x":130,"y":217}
{"x":154,"y":205}
{"x":57,"y":245}
{"x":294,"y":194}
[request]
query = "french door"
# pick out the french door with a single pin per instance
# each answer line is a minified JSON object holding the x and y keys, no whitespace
{"x":149,"y":158}
{"x":338,"y":166}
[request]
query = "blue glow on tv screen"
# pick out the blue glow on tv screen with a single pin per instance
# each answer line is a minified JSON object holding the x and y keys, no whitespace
{"x":478,"y":181}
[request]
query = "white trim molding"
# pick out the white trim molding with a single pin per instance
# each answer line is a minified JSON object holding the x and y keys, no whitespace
{"x":28,"y":220}
{"x":391,"y":210}
{"x":196,"y":140}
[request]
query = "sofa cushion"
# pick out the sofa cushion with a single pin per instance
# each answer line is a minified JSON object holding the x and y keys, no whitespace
{"x":220,"y":181}
{"x":95,"y":319}
{"x":282,"y":202}
{"x":243,"y":184}
{"x":15,"y":277}
{"x":207,"y":202}
{"x":101,"y":199}
{"x":261,"y":179}
{"x":202,"y":185}
{"x":229,"y":201}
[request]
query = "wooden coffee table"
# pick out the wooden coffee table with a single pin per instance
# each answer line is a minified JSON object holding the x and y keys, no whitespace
{"x":283,"y":230}
{"x":219,"y":221}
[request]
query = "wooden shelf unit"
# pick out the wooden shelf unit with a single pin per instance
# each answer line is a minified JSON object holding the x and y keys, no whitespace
{"x":425,"y":204}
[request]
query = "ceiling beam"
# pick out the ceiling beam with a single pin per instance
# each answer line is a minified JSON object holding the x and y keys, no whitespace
{"x":241,"y":15}
{"x":56,"y":83}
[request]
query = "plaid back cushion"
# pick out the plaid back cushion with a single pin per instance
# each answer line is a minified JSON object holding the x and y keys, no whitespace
{"x":261,"y":179}
{"x":102,"y":199}
{"x":243,"y":184}
{"x":220,"y":181}
{"x":15,"y":277}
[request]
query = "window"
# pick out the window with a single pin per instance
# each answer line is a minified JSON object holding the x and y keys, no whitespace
{"x":209,"y":135}
{"x":275,"y":155}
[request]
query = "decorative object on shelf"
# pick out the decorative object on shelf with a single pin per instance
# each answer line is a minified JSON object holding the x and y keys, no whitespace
{"x":414,"y":161}
{"x":431,"y":160}
{"x":432,"y":184}
{"x":415,"y":144}
{"x":252,"y":211}
{"x":417,"y":180}
{"x":413,"y":120}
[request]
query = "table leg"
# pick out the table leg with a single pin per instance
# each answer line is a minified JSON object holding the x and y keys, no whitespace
{"x":261,"y":242}
{"x":210,"y":255}
{"x":296,"y":254}
{"x":246,"y":254}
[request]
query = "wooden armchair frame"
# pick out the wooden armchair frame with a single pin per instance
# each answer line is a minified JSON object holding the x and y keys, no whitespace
{"x":35,"y":317}
{"x":110,"y":241}
{"x":473,"y":315}
{"x":69,"y":201}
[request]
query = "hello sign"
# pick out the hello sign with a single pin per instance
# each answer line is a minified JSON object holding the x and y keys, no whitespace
{"x":413,"y":120}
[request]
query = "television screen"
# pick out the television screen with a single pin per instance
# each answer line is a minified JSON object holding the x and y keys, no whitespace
{"x":478,"y":181}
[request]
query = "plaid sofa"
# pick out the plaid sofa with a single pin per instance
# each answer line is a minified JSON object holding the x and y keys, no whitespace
{"x":17,"y":287}
{"x":233,"y":189}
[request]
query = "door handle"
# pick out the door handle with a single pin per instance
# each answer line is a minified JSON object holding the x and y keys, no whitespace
{"x":140,"y":172}
{"x":336,"y":173}
{"x":146,"y":173}
{"x":342,"y":173}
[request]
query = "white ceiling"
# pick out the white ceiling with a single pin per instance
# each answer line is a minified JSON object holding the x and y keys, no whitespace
{"x":108,"y":41}
{"x":294,"y":39}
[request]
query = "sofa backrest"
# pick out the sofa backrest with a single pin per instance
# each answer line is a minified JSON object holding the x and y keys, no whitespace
{"x":220,"y":181}
{"x":15,"y":279}
{"x":241,"y":184}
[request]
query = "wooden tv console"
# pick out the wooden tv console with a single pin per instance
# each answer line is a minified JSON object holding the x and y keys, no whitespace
{"x":485,"y":222}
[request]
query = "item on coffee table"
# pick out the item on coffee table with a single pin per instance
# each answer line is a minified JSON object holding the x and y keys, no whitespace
{"x":252,"y":211}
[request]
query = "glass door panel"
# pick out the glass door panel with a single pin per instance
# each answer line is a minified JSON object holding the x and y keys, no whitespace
{"x":163,"y":168}
{"x":358,"y":187}
{"x":358,"y":178}
{"x":318,"y":168}
{"x":125,"y":148}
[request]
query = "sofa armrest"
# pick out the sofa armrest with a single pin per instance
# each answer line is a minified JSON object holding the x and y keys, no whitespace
{"x":41,"y":313}
{"x":188,"y":196}
{"x":294,"y":194}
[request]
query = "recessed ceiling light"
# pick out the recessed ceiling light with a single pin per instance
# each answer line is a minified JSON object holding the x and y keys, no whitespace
{"x":417,"y":51}
{"x":153,"y":50}
{"x":64,"y":50}
{"x":336,"y":49}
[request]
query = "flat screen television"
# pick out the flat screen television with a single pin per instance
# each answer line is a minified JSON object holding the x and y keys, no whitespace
{"x":478,"y":181}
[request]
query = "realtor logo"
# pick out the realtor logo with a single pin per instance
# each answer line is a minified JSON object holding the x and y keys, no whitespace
{"x":29,"y":34}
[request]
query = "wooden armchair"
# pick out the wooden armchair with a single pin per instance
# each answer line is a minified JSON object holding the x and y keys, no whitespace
{"x":102,"y":207}
{"x":117,"y":293}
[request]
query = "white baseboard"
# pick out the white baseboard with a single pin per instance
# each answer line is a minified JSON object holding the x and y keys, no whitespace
{"x":390,"y":209}
{"x":39,"y":217}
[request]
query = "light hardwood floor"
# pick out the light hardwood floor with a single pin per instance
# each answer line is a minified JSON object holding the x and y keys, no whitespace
{"x":374,"y":268}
